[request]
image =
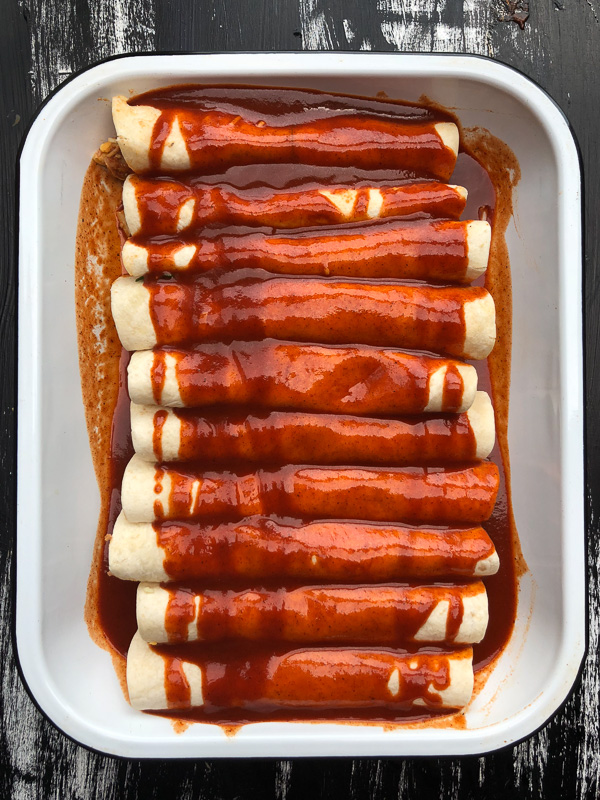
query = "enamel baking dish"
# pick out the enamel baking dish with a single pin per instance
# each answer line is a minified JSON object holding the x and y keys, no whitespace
{"x":71,"y":679}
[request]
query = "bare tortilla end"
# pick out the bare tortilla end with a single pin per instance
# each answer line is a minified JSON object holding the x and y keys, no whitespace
{"x":480,"y":327}
{"x":131,"y":208}
{"x":461,"y":682}
{"x":146,"y":678}
{"x":141,"y":492}
{"x":479,"y":237}
{"x":475,"y":618}
{"x":133,"y":552}
{"x":483,"y":425}
{"x":175,"y":154}
{"x":437,"y":383}
{"x":487,"y":566}
{"x":151,"y":609}
{"x":135,"y":259}
{"x":473,"y":625}
{"x":139,"y":380}
{"x":448,"y":133}
{"x":130,"y":306}
{"x":134,"y":126}
{"x":143,"y":433}
{"x":460,"y":190}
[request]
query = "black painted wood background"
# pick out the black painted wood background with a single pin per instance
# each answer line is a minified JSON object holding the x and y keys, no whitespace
{"x":42,"y":42}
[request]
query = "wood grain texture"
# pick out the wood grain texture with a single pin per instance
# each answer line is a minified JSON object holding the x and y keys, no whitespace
{"x":43,"y":42}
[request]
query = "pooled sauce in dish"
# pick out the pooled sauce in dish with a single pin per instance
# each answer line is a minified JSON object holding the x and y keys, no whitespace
{"x":487,"y":169}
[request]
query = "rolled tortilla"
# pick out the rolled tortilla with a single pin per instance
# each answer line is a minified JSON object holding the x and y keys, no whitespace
{"x":164,"y":206}
{"x":282,"y":375}
{"x":260,"y":548}
{"x":438,"y":250}
{"x":422,"y":495}
{"x":163,"y":434}
{"x":457,"y":321}
{"x":384,"y":615}
{"x":315,"y":680}
{"x":155,"y":137}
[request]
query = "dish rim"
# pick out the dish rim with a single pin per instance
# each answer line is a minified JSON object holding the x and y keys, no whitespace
{"x":29,"y":445}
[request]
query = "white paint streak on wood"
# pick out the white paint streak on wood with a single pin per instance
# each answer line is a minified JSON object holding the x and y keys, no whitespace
{"x":349,"y":32}
{"x":588,"y":752}
{"x":366,"y":780}
{"x":402,"y":23}
{"x":50,"y":64}
{"x":402,"y":781}
{"x":481,"y":775}
{"x":316,"y":33}
{"x":418,"y":25}
{"x":283,"y":779}
{"x":377,"y":784}
{"x":22,"y":723}
{"x":476,"y":27}
{"x":122,"y":26}
{"x":319,"y":32}
{"x":58,"y":37}
{"x":530,"y":759}
{"x":447,"y":38}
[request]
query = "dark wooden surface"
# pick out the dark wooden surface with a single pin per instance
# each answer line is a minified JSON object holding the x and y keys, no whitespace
{"x":41,"y":43}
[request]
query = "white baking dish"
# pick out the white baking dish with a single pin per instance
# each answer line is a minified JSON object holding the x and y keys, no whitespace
{"x":71,"y":679}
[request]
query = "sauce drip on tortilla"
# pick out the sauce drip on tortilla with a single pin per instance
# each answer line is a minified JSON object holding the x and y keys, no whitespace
{"x":376,"y":614}
{"x":167,"y":206}
{"x":255,"y":679}
{"x":241,"y":305}
{"x":263,"y":548}
{"x":279,"y":437}
{"x":295,"y":126}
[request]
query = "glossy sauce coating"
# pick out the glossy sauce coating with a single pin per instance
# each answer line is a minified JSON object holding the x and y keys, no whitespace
{"x":385,"y":615}
{"x":432,"y":495}
{"x":284,"y":375}
{"x":418,"y":249}
{"x":311,"y":310}
{"x":498,"y":531}
{"x":296,"y":127}
{"x":301,"y":438}
{"x":354,"y":552}
{"x":265,"y":680}
{"x":167,"y":206}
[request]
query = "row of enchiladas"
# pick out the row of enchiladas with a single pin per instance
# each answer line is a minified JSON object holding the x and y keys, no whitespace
{"x":304,"y":507}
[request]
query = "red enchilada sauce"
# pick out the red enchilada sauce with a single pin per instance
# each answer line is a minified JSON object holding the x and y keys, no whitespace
{"x":240,"y":305}
{"x":254,"y":682}
{"x":305,"y":377}
{"x":409,"y":250}
{"x":160,"y":201}
{"x":276,"y":437}
{"x":342,"y":614}
{"x":284,"y":550}
{"x":111,"y":603}
{"x":296,"y":127}
{"x":457,"y":495}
